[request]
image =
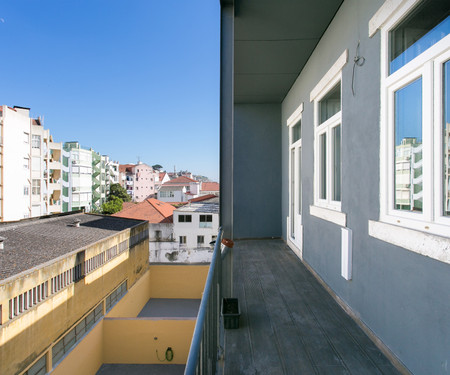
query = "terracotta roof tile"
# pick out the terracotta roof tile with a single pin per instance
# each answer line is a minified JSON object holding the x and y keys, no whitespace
{"x":210,"y":186}
{"x":151,"y":209}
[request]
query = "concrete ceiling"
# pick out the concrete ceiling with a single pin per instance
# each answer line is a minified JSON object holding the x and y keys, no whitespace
{"x":273,"y":40}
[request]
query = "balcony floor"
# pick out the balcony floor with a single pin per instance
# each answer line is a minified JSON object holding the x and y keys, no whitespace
{"x":289,"y":323}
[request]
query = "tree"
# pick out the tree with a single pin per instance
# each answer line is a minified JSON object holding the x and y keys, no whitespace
{"x":118,"y":191}
{"x":157,"y":167}
{"x":114,"y":205}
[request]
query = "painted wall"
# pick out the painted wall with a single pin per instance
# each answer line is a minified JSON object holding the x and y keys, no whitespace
{"x":177,"y":281}
{"x":401,"y":296}
{"x":86,"y":357}
{"x":133,"y":341}
{"x":192,"y":230}
{"x":257,"y":171}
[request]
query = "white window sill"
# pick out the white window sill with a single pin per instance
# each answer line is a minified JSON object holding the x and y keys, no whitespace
{"x":332,"y":216}
{"x":430,"y":245}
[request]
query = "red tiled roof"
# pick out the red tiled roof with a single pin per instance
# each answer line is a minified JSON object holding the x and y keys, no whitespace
{"x":202,"y":198}
{"x":181,"y":180}
{"x":151,"y":209}
{"x":162,"y":175}
{"x":124,"y":167}
{"x":210,"y":186}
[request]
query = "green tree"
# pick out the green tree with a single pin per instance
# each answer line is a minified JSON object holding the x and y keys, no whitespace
{"x":114,"y":205}
{"x":157,"y":167}
{"x":118,"y":191}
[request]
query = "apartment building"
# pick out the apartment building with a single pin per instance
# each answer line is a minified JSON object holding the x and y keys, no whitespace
{"x":196,"y":224}
{"x":30,"y":166}
{"x":139,"y":180}
{"x":59,"y":277}
{"x":333,"y":110}
{"x":179,"y":189}
{"x":88,"y":176}
{"x":78,"y":177}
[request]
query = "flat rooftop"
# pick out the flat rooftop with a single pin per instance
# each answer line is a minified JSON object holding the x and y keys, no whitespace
{"x":30,"y":243}
{"x":212,"y":208}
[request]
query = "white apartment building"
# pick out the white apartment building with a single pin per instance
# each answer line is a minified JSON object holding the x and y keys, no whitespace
{"x":195,"y":225}
{"x":30,"y":166}
{"x":77,"y":177}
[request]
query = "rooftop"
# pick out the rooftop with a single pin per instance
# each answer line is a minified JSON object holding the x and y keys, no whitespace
{"x":210,"y":186}
{"x":183,"y":180}
{"x":207,"y":207}
{"x":30,"y":243}
{"x":152,"y":210}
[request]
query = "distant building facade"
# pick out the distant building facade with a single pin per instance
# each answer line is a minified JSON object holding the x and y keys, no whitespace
{"x":138,"y":180}
{"x":196,"y":224}
{"x":30,"y":166}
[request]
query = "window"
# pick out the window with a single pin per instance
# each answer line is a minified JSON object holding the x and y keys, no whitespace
{"x":328,"y":147}
{"x":157,"y":235}
{"x":26,"y":163}
{"x":26,"y":137}
{"x":35,"y":187}
{"x":166,"y":194}
{"x":36,"y":141}
{"x":415,"y":118}
{"x":184,"y":218}
{"x":26,"y":190}
{"x":294,"y":124}
{"x":200,"y":240}
{"x":182,"y":239}
{"x":205,"y":221}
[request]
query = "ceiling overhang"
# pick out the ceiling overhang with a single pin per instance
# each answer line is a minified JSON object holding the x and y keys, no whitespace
{"x":273,"y":40}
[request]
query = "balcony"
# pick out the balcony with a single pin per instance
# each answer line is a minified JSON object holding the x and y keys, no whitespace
{"x":289,"y":323}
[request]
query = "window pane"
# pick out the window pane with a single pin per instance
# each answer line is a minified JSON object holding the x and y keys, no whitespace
{"x":296,"y":132}
{"x":299,"y":152}
{"x":426,"y":25}
{"x":292,"y":193}
{"x":408,"y":147}
{"x":336,"y":133}
{"x":330,"y":104}
{"x":446,"y":139}
{"x":323,"y":166}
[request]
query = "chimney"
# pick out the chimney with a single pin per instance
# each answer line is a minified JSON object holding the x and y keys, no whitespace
{"x":76,"y":223}
{"x":2,"y":246}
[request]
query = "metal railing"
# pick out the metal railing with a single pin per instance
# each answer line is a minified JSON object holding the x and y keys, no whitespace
{"x":203,"y":353}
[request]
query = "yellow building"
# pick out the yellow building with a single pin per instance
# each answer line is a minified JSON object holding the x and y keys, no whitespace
{"x":77,"y":294}
{"x":58,"y":277}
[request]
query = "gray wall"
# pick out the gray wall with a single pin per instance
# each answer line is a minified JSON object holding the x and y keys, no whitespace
{"x":403,"y":297}
{"x":257,"y":171}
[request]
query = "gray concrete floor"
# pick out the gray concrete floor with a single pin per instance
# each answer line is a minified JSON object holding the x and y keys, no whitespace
{"x":170,"y":308}
{"x":289,"y":323}
{"x":119,"y":369}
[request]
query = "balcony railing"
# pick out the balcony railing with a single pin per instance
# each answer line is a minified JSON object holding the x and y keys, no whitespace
{"x":203,"y":353}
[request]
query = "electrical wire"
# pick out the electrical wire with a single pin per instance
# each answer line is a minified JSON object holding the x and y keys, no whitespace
{"x":357,"y":61}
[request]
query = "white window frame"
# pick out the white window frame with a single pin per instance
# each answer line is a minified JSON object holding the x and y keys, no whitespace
{"x":295,"y":147}
{"x":327,"y":209}
{"x":427,"y":65}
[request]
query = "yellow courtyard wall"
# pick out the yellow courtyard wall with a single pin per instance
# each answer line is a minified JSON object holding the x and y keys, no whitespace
{"x":178,"y":281}
{"x":133,"y":341}
{"x":87,"y":357}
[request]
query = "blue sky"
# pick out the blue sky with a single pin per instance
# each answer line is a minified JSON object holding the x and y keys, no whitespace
{"x":135,"y":78}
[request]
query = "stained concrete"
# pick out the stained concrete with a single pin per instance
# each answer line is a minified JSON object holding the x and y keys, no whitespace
{"x":170,"y":308}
